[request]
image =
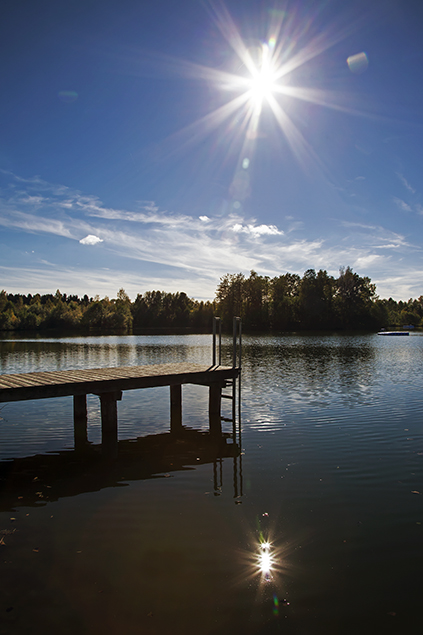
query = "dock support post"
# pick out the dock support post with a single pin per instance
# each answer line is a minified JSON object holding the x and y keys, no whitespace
{"x":109,"y":425}
{"x":176,"y":408}
{"x":215,"y":399}
{"x":80,"y":422}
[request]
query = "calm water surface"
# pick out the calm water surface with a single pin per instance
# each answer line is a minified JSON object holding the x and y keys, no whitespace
{"x":317,"y":527}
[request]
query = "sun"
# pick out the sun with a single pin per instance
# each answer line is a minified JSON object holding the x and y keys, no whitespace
{"x":263,"y":82}
{"x":258,"y":72}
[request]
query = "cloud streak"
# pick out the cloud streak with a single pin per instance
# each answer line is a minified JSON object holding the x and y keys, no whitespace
{"x":405,"y":183}
{"x":156,"y":247}
{"x":402,"y":205}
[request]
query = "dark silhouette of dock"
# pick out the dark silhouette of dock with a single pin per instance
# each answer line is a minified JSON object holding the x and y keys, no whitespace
{"x":110,"y":383}
{"x":34,"y":481}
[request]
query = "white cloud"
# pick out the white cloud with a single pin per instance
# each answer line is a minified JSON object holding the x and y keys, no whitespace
{"x":91,"y":240}
{"x":400,"y":287}
{"x":184,"y":252}
{"x":257,"y":230}
{"x":294,"y":226}
{"x":405,"y":207}
{"x":377,"y":237}
{"x":365,"y":261}
{"x":100,"y":281}
{"x":12,"y":218}
{"x":406,"y":183}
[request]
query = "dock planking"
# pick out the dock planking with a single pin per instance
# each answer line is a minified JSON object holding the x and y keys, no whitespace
{"x":62,"y":383}
{"x":109,"y":383}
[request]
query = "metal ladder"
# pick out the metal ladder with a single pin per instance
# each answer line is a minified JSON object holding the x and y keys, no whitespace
{"x":236,"y":342}
{"x":236,"y":363}
{"x":230,"y":383}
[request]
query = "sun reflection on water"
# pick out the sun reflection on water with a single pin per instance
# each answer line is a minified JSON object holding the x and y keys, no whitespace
{"x":265,"y":560}
{"x":267,"y":567}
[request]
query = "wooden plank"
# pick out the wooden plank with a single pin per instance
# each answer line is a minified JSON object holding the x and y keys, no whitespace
{"x":43,"y":385}
{"x":18,"y":381}
{"x":112,"y":373}
{"x":108,"y":384}
{"x":7,"y":382}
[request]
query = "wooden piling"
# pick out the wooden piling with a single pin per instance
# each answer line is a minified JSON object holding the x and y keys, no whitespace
{"x":215,"y":400}
{"x":80,"y":422}
{"x":176,"y":408}
{"x":108,"y":384}
{"x":109,"y":423}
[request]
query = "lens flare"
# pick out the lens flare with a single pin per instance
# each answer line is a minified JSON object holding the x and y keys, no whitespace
{"x":265,"y":560}
{"x":264,"y":74}
{"x":68,"y":96}
{"x":358,"y":63}
{"x":266,"y":564}
{"x":263,"y":79}
{"x":272,"y":42}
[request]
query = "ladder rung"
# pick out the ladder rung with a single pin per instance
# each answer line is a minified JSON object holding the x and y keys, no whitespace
{"x":227,"y":419}
{"x":227,"y":397}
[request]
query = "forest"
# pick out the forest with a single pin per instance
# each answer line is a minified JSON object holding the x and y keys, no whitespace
{"x":287,"y":302}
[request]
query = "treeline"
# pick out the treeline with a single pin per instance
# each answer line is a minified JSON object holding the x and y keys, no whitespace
{"x":283,"y":303}
{"x":70,"y":312}
{"x":315,"y":301}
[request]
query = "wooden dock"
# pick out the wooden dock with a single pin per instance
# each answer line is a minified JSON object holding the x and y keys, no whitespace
{"x":109,"y":383}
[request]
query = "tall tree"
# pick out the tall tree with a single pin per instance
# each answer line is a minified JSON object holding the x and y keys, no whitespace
{"x":353,"y":299}
{"x":284,"y":301}
{"x":256,"y":301}
{"x":315,"y":299}
{"x":230,"y":297}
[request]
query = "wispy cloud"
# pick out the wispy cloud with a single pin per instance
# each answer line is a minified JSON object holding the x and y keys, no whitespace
{"x":101,"y":281}
{"x":411,"y":204}
{"x":406,"y":183}
{"x":177,"y":251}
{"x":13,"y":218}
{"x":377,"y":236}
{"x":402,"y":205}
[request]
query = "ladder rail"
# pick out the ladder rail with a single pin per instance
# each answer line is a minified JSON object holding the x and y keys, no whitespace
{"x":217,"y":331}
{"x":237,"y":342}
{"x":235,"y":395}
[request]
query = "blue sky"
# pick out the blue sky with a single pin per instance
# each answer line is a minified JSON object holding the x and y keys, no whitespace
{"x":160,"y":145}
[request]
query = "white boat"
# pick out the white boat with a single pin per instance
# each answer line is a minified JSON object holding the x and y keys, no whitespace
{"x":393,"y":333}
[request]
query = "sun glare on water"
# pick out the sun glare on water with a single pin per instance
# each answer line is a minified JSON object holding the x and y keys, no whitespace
{"x":265,"y":560}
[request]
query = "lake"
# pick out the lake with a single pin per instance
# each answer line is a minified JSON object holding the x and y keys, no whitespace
{"x":315,"y":526}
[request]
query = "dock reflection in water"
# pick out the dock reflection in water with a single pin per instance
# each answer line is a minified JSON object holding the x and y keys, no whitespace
{"x":90,"y":547}
{"x":46,"y":478}
{"x":331,"y":480}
